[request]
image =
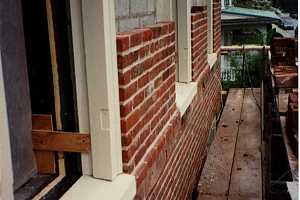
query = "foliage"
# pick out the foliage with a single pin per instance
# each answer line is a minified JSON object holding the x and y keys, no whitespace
{"x":249,"y":75}
{"x":261,"y":5}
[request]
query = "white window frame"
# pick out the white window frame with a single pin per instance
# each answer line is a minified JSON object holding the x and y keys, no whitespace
{"x":95,"y":59}
{"x":170,"y":10}
{"x":102,"y":86}
{"x":210,"y":37}
{"x":211,"y":55}
{"x":184,"y":44}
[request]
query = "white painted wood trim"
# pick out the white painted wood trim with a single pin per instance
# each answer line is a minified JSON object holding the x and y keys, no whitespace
{"x":210,"y":32}
{"x":6,"y":173}
{"x":89,"y":188}
{"x":102,"y":84}
{"x":80,"y":79}
{"x":185,"y":93}
{"x":184,"y":41}
{"x":212,"y":59}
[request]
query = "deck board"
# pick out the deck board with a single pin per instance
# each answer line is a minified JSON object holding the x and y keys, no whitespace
{"x":216,"y":173}
{"x":246,"y":178}
{"x":233,"y":167}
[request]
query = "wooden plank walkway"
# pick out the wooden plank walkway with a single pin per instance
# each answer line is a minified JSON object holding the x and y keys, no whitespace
{"x":233,"y":167}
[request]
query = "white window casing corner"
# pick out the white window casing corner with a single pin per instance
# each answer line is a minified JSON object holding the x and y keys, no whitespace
{"x":102,"y":83}
{"x":185,"y":93}
{"x":184,"y":41}
{"x":212,"y":59}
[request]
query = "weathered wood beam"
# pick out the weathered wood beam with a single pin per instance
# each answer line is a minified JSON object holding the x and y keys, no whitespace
{"x":60,"y":141}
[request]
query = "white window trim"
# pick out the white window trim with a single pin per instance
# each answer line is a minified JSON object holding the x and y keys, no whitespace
{"x":185,"y":93}
{"x":96,"y":74}
{"x":184,"y":41}
{"x":210,"y":30}
{"x":102,"y":84}
{"x":170,"y":10}
{"x":212,"y":59}
{"x":89,"y":188}
{"x":6,"y":173}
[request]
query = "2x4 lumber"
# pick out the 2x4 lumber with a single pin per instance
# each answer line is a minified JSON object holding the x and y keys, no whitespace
{"x":215,"y":176}
{"x":55,"y":75}
{"x":60,"y":141}
{"x":246,"y":178}
{"x":45,"y":160}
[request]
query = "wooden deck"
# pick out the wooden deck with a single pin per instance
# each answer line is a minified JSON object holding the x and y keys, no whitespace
{"x":233,"y":167}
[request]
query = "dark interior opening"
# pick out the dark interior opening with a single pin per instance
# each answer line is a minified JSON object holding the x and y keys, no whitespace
{"x":40,"y":75}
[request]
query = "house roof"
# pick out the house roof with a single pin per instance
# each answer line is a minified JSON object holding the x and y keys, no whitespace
{"x":251,"y":12}
{"x":237,"y":16}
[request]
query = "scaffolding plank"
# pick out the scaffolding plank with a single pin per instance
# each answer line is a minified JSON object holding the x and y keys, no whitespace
{"x":215,"y":176}
{"x":246,"y":178}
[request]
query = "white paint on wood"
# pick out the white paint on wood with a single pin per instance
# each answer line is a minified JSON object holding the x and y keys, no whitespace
{"x":210,"y":32}
{"x":6,"y":174}
{"x":89,"y":188}
{"x":185,"y":93}
{"x":80,"y":78}
{"x":102,"y":84}
{"x":184,"y":41}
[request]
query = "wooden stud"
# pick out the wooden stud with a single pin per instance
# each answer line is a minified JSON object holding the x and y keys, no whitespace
{"x":45,"y":160}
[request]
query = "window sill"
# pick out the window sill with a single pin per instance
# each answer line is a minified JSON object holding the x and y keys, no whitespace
{"x":212,"y":59}
{"x":89,"y":188}
{"x":185,"y":93}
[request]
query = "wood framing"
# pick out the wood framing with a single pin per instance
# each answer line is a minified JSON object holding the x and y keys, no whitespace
{"x":60,"y":141}
{"x":45,"y":160}
{"x":102,"y":84}
{"x":184,"y":41}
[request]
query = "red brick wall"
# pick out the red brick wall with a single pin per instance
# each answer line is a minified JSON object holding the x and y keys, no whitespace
{"x":217,"y":25}
{"x":163,"y":150}
{"x":146,"y":63}
{"x":199,"y":41}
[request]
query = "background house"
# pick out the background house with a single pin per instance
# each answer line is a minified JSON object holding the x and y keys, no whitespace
{"x":138,"y":79}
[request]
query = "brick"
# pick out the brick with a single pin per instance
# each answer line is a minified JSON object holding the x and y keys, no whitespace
{"x":122,"y":43}
{"x":143,"y":80}
{"x":136,"y":38}
{"x":156,"y":30}
{"x":138,"y":99}
{"x":136,"y":71}
{"x":124,"y":78}
{"x":147,"y":35}
{"x":126,"y":109}
{"x":128,"y":91}
{"x":140,"y":153}
{"x":127,"y":124}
